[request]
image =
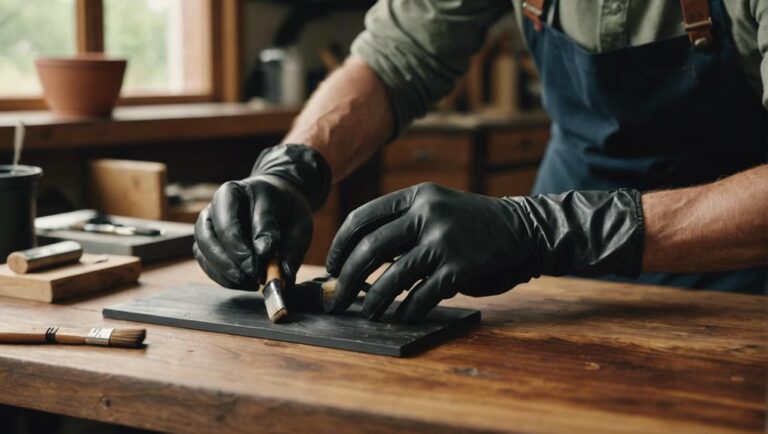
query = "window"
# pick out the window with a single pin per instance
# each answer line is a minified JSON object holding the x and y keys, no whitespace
{"x":163,"y":41}
{"x":174,"y":47}
{"x":30,"y":29}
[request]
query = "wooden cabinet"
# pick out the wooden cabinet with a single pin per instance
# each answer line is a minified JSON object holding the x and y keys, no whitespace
{"x":443,"y":158}
{"x":517,"y":182}
{"x":497,"y":159}
{"x":512,"y":160}
{"x":325,"y":224}
{"x":515,"y":147}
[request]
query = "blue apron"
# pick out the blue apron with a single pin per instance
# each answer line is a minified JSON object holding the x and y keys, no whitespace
{"x":658,"y":115}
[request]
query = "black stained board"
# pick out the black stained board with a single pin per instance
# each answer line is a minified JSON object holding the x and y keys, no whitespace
{"x":215,"y":309}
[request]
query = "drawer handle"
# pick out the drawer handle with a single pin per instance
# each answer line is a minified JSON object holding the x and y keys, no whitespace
{"x":423,"y":155}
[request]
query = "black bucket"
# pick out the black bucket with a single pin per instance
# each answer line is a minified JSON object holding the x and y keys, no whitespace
{"x":17,"y":208}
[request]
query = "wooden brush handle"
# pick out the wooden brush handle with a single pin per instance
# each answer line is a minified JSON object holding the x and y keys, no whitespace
{"x":102,"y":336}
{"x":25,"y":261}
{"x":42,"y":335}
{"x":274,"y":273}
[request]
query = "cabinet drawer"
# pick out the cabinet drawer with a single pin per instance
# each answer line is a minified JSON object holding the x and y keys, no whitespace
{"x":428,"y":152}
{"x":326,"y":223}
{"x":513,"y":183}
{"x":512,"y":147}
{"x":459,"y":180}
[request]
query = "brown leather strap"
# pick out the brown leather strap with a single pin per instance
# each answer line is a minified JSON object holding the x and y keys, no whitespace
{"x":697,"y":22}
{"x":533,"y":9}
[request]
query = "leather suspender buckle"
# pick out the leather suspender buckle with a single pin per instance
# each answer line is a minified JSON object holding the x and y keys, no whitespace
{"x":697,"y":22}
{"x":700,"y":33}
{"x":533,"y":10}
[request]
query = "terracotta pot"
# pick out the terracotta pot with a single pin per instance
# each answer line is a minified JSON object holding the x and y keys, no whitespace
{"x":82,"y":86}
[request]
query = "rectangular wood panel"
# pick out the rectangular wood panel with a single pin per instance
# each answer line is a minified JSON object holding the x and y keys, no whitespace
{"x":92,"y":273}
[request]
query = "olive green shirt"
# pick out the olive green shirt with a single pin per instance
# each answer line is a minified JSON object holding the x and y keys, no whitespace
{"x":420,"y":47}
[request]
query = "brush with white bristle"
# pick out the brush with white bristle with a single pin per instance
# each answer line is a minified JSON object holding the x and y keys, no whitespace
{"x":107,"y":337}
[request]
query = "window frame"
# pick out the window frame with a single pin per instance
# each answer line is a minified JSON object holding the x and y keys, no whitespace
{"x":225,"y":59}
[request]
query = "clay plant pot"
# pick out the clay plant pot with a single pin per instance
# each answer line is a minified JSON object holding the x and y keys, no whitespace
{"x":17,"y":208}
{"x":82,"y":86}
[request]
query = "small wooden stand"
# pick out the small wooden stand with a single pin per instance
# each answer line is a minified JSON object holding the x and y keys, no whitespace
{"x":91,"y":273}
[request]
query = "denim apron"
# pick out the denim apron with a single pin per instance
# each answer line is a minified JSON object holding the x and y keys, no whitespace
{"x":658,"y":115}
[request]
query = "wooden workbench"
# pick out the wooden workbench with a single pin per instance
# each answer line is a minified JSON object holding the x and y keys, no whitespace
{"x":556,"y":355}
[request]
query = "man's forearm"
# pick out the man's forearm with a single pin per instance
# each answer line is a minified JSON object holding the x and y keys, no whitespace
{"x":346,"y":119}
{"x":713,"y":227}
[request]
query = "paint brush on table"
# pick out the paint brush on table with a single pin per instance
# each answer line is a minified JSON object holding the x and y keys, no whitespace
{"x":106,"y":337}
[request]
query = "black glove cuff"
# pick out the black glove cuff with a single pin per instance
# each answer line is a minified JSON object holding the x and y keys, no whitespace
{"x":586,"y":233}
{"x":300,"y":165}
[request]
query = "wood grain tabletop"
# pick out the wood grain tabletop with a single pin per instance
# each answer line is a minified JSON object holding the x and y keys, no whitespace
{"x":554,"y":355}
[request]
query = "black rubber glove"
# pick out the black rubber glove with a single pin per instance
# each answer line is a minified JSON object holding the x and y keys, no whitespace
{"x":453,"y":242}
{"x":264,"y":216}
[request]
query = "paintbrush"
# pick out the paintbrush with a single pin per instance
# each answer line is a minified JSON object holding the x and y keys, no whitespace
{"x":107,"y":337}
{"x":272,"y":291}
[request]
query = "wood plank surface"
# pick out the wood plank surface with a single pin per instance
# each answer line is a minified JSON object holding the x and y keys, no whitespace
{"x":555,"y":355}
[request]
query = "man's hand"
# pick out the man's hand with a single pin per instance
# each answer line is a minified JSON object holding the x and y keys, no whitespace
{"x":267,"y":215}
{"x":449,"y":242}
{"x":248,"y":222}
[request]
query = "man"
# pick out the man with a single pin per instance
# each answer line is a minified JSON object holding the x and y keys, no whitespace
{"x":644,"y":96}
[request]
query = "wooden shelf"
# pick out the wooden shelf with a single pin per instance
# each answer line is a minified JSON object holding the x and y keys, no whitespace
{"x":146,"y":125}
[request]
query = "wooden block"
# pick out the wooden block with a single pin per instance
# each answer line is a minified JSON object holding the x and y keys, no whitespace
{"x":129,"y":188}
{"x":242,"y":313}
{"x":92,"y":273}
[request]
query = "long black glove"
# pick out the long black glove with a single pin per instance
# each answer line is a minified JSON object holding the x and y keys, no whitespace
{"x":266,"y":215}
{"x":453,"y":242}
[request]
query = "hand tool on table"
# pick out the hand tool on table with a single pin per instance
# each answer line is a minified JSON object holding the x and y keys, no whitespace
{"x":272,"y":291}
{"x":101,"y":225}
{"x":107,"y":337}
{"x":38,"y":258}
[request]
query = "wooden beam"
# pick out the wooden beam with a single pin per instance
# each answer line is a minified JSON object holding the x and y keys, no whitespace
{"x":231,"y":42}
{"x":226,"y":19}
{"x":90,"y":26}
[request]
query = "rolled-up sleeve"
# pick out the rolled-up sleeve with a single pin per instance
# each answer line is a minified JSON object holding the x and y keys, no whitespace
{"x":420,"y":47}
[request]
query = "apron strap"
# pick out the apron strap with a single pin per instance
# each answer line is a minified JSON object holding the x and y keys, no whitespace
{"x":697,"y":22}
{"x":533,"y":10}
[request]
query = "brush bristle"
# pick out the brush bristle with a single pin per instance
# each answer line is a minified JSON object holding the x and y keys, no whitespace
{"x":329,"y":288}
{"x":127,"y":338}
